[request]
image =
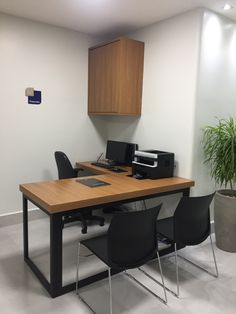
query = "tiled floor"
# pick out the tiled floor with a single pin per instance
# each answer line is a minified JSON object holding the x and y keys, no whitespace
{"x":21,"y":293}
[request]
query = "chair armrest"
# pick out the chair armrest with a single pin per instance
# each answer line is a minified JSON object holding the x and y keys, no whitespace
{"x":77,"y":170}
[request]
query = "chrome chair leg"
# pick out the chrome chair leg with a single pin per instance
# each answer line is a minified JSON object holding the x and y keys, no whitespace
{"x":77,"y":269}
{"x":177,"y":269}
{"x":162,"y":278}
{"x":162,"y":283}
{"x":77,"y":280}
{"x":214,"y":257}
{"x":110,"y":289}
{"x":143,"y":286}
{"x":216,"y":275}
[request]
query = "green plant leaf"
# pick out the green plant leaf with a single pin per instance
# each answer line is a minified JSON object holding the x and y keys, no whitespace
{"x":219,"y":146}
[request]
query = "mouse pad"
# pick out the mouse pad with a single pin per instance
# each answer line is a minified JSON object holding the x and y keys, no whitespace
{"x":92,"y":182}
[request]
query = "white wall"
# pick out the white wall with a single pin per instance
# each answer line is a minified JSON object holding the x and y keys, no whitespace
{"x":169,"y":89}
{"x":216,"y":93}
{"x":53,"y":60}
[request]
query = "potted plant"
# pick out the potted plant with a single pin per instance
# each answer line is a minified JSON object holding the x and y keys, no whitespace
{"x":219,"y":146}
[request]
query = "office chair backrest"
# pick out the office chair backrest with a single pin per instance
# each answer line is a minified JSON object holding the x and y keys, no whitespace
{"x":192,"y":219}
{"x":64,"y":167}
{"x":132,"y":238}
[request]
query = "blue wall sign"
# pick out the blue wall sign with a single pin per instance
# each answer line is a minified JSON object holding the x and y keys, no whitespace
{"x":36,"y":99}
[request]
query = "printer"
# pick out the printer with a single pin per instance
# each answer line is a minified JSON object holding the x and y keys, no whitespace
{"x":152,"y":164}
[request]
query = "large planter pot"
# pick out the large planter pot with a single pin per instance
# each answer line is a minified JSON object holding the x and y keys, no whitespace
{"x":225,"y":220}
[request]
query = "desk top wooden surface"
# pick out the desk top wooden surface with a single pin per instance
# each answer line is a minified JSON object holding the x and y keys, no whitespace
{"x":64,"y":195}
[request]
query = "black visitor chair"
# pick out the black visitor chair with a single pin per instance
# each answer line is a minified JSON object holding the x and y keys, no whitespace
{"x":130,"y":242}
{"x":66,"y":171}
{"x":190,"y":225}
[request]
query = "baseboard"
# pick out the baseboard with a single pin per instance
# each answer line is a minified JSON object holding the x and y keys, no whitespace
{"x":17,"y":217}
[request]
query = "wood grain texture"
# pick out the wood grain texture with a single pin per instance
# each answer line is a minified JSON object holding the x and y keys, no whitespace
{"x":131,"y":76}
{"x":115,"y":77}
{"x":104,"y":67}
{"x":64,"y":195}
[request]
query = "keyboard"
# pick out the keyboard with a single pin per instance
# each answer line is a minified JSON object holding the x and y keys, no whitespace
{"x":102,"y":165}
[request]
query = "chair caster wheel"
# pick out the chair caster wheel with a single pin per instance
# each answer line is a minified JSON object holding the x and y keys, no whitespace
{"x":84,"y":230}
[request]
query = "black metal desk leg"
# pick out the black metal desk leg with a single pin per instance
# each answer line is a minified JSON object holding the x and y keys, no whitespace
{"x":55,"y":255}
{"x":25,"y":228}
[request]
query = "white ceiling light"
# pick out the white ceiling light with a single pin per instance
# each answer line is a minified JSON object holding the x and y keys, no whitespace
{"x":227,"y":7}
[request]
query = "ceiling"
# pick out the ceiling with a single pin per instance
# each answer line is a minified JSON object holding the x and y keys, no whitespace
{"x":102,"y":17}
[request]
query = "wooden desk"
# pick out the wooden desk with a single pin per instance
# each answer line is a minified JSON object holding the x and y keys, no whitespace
{"x":59,"y":197}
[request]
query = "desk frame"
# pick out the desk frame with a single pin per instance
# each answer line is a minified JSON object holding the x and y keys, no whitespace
{"x":55,"y":287}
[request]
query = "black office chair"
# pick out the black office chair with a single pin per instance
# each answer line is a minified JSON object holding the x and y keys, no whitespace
{"x":129,"y":243}
{"x":66,"y":171}
{"x":190,"y":225}
{"x":64,"y":167}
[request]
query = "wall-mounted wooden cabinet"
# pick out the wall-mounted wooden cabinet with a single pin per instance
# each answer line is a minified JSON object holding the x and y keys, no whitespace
{"x":116,"y":77}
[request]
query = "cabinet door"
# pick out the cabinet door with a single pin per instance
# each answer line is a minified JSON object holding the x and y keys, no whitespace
{"x":131,"y":76}
{"x":104,"y":88}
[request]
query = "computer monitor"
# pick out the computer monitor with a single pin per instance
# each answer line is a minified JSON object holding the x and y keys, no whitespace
{"x":120,"y":152}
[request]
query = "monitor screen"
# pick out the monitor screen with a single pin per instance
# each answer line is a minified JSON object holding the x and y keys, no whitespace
{"x":120,"y":152}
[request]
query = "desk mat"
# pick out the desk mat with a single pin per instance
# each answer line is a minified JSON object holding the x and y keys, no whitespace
{"x":92,"y":182}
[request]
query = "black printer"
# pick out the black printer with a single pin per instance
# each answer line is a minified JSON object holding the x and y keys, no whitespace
{"x":152,"y":164}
